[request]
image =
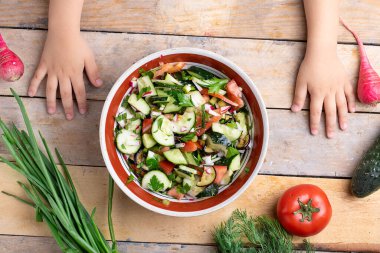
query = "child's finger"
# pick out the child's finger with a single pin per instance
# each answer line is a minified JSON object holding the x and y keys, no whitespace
{"x":92,"y":70}
{"x":39,"y":75}
{"x":341,"y":104}
{"x":299,"y":95}
{"x":80,"y":93}
{"x":350,"y":96}
{"x":67,"y":97}
{"x":330,"y":112}
{"x":315,"y":114}
{"x":51,"y":93}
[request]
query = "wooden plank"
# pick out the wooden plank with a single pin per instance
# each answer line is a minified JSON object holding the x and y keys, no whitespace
{"x":280,"y":19}
{"x":292,"y":150}
{"x":21,"y":244}
{"x":272,"y":65}
{"x":134,"y":223}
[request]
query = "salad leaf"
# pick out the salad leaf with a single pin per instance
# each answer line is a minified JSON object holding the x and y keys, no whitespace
{"x":200,"y":73}
{"x":215,"y":87}
{"x":155,"y":184}
{"x":130,"y":179}
{"x":231,"y":152}
{"x":146,"y":73}
{"x":181,"y":98}
{"x":142,"y":92}
{"x":183,"y":189}
{"x":188,"y":137}
{"x":152,"y":163}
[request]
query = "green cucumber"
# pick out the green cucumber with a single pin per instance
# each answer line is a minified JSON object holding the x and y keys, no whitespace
{"x":231,"y":133}
{"x":139,"y":104}
{"x":175,"y":156}
{"x":185,"y":172}
{"x":171,"y":79}
{"x":127,"y":143}
{"x":184,"y":123}
{"x":197,"y":98}
{"x":148,"y":140}
{"x":234,"y":165}
{"x":366,"y":178}
{"x":161,"y":131}
{"x":145,"y":82}
{"x":161,"y":177}
{"x":190,"y":159}
{"x":171,"y":107}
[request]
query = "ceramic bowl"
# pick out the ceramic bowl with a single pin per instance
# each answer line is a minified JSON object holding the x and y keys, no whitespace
{"x":252,"y":160}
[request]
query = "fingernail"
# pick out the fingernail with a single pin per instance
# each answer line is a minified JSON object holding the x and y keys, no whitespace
{"x":314,"y":132}
{"x":330,"y":135}
{"x":82,"y":111}
{"x":99,"y":81}
{"x":344,"y":126}
{"x":69,"y":116}
{"x":30,"y":93}
{"x":51,"y":110}
{"x":295,"y":108}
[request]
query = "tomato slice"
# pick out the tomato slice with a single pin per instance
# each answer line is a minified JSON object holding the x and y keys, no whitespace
{"x":234,"y":93}
{"x":175,"y":194}
{"x":167,"y":167}
{"x":220,"y":172}
{"x":220,"y":96}
{"x":190,"y":147}
{"x":147,"y":125}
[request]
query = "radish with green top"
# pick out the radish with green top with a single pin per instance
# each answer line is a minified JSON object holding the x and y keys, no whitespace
{"x":11,"y":66}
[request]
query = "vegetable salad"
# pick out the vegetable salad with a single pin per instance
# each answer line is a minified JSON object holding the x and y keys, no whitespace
{"x":183,"y":131}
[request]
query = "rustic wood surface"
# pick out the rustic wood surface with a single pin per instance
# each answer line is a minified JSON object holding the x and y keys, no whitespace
{"x":266,"y":39}
{"x":280,"y":19}
{"x":292,"y":150}
{"x":134,"y":223}
{"x":271,"y":64}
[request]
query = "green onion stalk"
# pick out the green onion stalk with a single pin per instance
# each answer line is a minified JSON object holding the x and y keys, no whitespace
{"x":51,"y":191}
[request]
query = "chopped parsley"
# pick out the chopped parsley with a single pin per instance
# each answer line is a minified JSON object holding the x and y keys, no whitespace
{"x":180,"y":98}
{"x":142,"y":92}
{"x":121,"y":117}
{"x":183,"y":189}
{"x":215,"y":87}
{"x":152,"y":164}
{"x":155,"y":184}
{"x":246,"y":169}
{"x":171,"y":177}
{"x":130,"y":179}
{"x":231,"y":152}
{"x":188,"y":137}
{"x":146,"y":73}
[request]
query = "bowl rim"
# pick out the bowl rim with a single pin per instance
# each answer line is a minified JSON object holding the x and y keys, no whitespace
{"x":141,"y":62}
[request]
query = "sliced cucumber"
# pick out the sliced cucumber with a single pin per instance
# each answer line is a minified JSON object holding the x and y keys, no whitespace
{"x":171,"y":107}
{"x":139,"y":104}
{"x":196,"y":98}
{"x":231,"y":133}
{"x":161,"y":131}
{"x":189,"y":182}
{"x":184,"y":123}
{"x":161,"y":177}
{"x":190,"y":159}
{"x":175,"y":156}
{"x":128,"y":142}
{"x":145,"y":82}
{"x":134,"y":125}
{"x":171,"y":79}
{"x":234,"y":164}
{"x":148,"y":140}
{"x":185,"y":172}
{"x":208,"y":177}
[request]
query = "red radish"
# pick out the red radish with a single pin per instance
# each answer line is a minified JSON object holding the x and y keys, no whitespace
{"x":11,"y":66}
{"x":369,"y":80}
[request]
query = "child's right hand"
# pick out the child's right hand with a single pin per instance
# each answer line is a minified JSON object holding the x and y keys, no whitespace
{"x":322,"y":75}
{"x":65,"y":56}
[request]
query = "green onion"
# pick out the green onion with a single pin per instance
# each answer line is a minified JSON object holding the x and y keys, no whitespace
{"x":51,"y":191}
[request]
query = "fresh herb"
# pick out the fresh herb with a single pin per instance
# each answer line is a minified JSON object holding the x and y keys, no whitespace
{"x":155,"y":184}
{"x":231,"y":152}
{"x":183,"y":189}
{"x":200,"y":72}
{"x":246,"y":169}
{"x":146,"y":73}
{"x":219,"y":85}
{"x":263,"y":233}
{"x":188,"y":137}
{"x":203,"y":116}
{"x":123,"y":146}
{"x":152,"y":163}
{"x":121,"y":117}
{"x":180,"y":98}
{"x":130,"y":178}
{"x":52,"y":192}
{"x":172,"y":177}
{"x":232,"y":124}
{"x":125,"y":103}
{"x":142,"y":92}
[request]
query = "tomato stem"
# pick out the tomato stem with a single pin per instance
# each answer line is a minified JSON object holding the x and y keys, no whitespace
{"x":306,"y":210}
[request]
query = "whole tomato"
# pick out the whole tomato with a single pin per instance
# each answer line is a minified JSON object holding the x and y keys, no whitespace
{"x":304,"y":210}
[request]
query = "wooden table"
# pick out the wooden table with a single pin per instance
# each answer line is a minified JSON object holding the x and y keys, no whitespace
{"x":267,"y":39}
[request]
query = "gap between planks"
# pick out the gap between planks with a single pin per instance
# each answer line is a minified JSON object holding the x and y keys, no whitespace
{"x":134,"y":223}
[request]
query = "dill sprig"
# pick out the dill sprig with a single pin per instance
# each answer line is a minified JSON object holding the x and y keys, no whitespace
{"x":263,"y":234}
